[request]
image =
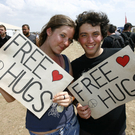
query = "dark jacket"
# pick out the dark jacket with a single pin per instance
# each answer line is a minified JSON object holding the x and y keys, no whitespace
{"x":4,"y":40}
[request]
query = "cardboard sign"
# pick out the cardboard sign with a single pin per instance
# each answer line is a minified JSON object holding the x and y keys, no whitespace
{"x":29,"y":75}
{"x":108,"y":85}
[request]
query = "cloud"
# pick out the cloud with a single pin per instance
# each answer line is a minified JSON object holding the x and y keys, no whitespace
{"x":37,"y":12}
{"x":5,"y":10}
{"x":15,"y":4}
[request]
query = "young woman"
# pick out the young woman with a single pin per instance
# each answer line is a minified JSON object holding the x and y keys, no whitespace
{"x":60,"y":118}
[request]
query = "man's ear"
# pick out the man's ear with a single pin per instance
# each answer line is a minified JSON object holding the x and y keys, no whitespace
{"x":49,"y":31}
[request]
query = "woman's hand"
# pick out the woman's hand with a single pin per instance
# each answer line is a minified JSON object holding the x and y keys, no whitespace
{"x":63,"y":99}
{"x":83,"y":111}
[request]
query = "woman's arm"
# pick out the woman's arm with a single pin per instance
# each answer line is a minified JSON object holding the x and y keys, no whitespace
{"x":7,"y":97}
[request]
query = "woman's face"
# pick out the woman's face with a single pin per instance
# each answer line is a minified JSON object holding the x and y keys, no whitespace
{"x":59,"y":39}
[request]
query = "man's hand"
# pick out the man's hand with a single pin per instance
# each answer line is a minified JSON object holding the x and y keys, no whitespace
{"x":83,"y":111}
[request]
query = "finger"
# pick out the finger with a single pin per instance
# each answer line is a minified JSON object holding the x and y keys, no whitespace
{"x":83,"y":111}
{"x":62,"y":98}
{"x":88,"y":116}
{"x":85,"y":115}
{"x":61,"y":94}
{"x":82,"y":108}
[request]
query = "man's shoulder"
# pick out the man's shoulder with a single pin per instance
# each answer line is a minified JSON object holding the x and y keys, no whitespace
{"x":32,"y":35}
{"x":111,"y":51}
{"x":78,"y":59}
{"x":129,"y":34}
{"x":106,"y":40}
{"x":126,"y":34}
{"x":7,"y":36}
{"x":114,"y":36}
{"x":111,"y":37}
{"x":133,"y":34}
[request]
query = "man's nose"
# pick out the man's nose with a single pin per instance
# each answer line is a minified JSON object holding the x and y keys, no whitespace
{"x":90,"y":39}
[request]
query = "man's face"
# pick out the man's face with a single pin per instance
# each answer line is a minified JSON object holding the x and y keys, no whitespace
{"x":130,"y":27}
{"x":2,"y":31}
{"x":90,"y":39}
{"x":25,"y":30}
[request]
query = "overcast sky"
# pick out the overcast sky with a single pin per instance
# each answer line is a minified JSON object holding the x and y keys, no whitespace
{"x":36,"y":13}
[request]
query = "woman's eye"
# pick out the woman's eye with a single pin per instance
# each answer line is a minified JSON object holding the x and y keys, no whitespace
{"x":62,"y":35}
{"x":70,"y":40}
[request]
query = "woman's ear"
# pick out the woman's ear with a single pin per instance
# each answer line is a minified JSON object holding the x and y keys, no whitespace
{"x":49,"y":31}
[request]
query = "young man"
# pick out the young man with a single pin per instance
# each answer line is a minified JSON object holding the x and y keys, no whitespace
{"x":90,"y":30}
{"x":128,"y":27}
{"x":127,"y":31}
{"x":26,"y":32}
{"x":112,"y":40}
{"x":3,"y":36}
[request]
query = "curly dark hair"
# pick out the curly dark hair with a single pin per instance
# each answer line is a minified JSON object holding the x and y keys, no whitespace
{"x":93,"y":18}
{"x":111,"y":28}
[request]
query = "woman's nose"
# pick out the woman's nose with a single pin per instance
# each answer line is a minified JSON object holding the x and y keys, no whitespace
{"x":66,"y":42}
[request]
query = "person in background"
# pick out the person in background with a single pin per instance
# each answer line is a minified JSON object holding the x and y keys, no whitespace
{"x":127,"y":27}
{"x":3,"y":36}
{"x":91,"y":29}
{"x":60,"y":118}
{"x":26,"y":32}
{"x":110,"y":40}
{"x":127,"y":31}
{"x":116,"y":31}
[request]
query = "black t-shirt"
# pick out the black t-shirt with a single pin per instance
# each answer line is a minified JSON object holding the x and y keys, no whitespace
{"x":114,"y":122}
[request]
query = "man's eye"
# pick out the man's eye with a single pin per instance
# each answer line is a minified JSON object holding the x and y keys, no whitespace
{"x":96,"y":34}
{"x":83,"y":35}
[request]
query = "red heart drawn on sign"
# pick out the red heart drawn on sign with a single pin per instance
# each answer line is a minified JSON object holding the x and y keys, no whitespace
{"x":56,"y":76}
{"x":123,"y":60}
